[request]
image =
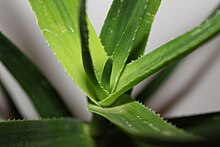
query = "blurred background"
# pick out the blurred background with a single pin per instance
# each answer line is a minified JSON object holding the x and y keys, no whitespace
{"x":193,"y":88}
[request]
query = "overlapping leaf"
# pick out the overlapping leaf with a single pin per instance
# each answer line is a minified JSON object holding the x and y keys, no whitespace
{"x":145,"y":66}
{"x":59,"y":22}
{"x":44,"y":97}
{"x":126,"y":29}
{"x":35,"y":133}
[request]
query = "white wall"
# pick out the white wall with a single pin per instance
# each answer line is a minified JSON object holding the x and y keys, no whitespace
{"x":200,"y":69}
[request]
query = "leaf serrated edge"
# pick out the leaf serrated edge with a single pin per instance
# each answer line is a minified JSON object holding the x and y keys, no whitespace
{"x":167,"y":122}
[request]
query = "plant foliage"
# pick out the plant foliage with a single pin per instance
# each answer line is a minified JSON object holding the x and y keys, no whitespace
{"x":105,"y":68}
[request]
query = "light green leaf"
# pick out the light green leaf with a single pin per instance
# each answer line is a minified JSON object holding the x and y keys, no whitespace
{"x":59,"y":22}
{"x":140,"y":122}
{"x":44,"y":97}
{"x":36,"y":133}
{"x":206,"y":125}
{"x":120,"y":32}
{"x":178,"y":48}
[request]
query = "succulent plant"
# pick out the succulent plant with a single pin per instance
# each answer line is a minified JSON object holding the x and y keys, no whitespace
{"x":106,"y":68}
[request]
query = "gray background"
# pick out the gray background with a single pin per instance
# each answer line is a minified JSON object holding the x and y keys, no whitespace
{"x":195,"y":83}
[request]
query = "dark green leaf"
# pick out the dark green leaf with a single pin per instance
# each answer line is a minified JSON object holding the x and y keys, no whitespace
{"x":106,"y":75}
{"x":10,"y":102}
{"x":50,"y":133}
{"x":206,"y":125}
{"x":84,"y":34}
{"x":116,"y":138}
{"x":44,"y":97}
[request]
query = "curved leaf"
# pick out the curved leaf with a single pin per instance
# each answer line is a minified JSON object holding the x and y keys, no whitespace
{"x":157,"y":81}
{"x":106,"y":75}
{"x":59,"y":22}
{"x":139,"y":121}
{"x":35,"y":133}
{"x":44,"y":97}
{"x":10,"y":102}
{"x":145,"y":66}
{"x":86,"y":57}
{"x":84,"y":34}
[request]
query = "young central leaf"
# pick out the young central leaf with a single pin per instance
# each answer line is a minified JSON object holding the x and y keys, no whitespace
{"x":123,"y":48}
{"x":86,"y":57}
{"x":126,"y":30}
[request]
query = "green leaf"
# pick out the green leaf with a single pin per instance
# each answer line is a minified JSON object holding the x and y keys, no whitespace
{"x":151,"y":87}
{"x":86,"y":57}
{"x":118,"y":18}
{"x":206,"y":125}
{"x":84,"y":34}
{"x":10,"y":102}
{"x":139,"y":121}
{"x":106,"y":75}
{"x":44,"y":97}
{"x":144,"y":31}
{"x":59,"y":22}
{"x":215,"y":11}
{"x":147,"y":65}
{"x":35,"y":133}
{"x":115,"y":138}
{"x":120,"y":31}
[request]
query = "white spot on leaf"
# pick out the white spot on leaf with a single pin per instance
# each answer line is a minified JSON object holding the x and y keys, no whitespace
{"x":46,"y":30}
{"x":71,"y":29}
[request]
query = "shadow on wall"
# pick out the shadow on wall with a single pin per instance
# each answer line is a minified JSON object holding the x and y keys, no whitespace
{"x":193,"y":81}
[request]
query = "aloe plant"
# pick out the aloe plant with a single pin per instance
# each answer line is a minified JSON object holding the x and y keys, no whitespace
{"x":106,"y":68}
